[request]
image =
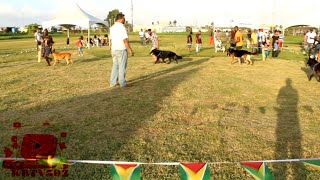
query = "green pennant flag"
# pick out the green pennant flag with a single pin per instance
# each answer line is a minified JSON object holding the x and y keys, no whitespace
{"x":125,"y":172}
{"x":313,"y":163}
{"x":1,"y":162}
{"x":194,"y":171}
{"x":259,"y":170}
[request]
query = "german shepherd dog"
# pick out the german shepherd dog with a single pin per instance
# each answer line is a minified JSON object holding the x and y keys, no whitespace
{"x":314,"y":67}
{"x":246,"y":55}
{"x":59,"y":56}
{"x":165,"y":54}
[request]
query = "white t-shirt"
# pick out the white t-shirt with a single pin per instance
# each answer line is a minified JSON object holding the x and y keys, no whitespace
{"x":141,"y":34}
{"x":118,"y":33}
{"x":310,"y":37}
{"x":38,"y":36}
{"x":147,"y":35}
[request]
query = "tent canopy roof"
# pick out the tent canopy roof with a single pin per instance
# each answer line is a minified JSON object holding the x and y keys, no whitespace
{"x":74,"y":16}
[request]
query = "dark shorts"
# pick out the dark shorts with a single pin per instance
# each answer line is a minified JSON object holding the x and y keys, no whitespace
{"x":47,"y":51}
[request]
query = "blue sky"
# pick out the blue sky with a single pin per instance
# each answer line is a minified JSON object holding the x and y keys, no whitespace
{"x":201,"y":12}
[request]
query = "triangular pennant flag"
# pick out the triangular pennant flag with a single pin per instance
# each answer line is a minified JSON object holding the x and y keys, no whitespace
{"x":1,"y":162}
{"x":194,"y":171}
{"x":259,"y":170}
{"x":125,"y":171}
{"x":56,"y":162}
{"x":313,"y":163}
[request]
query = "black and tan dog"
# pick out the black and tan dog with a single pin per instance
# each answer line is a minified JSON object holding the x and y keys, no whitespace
{"x":165,"y":54}
{"x":314,"y":67}
{"x":246,"y":55}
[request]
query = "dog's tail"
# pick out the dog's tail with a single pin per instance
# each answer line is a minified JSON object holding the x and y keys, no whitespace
{"x":179,"y":57}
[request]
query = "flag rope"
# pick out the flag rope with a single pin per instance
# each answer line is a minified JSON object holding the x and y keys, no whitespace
{"x":162,"y":163}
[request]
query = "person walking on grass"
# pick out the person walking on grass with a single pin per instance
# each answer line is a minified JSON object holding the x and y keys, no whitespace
{"x":119,"y":46}
{"x":80,"y":45}
{"x":238,"y":38}
{"x":47,"y":44}
{"x":155,"y":42}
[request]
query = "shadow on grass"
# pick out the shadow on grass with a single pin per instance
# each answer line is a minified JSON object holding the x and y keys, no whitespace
{"x":306,"y":70}
{"x":4,"y":64}
{"x":288,"y":134}
{"x":103,"y":125}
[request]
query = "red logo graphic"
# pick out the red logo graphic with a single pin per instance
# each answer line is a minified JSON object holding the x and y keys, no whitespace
{"x":38,"y":145}
{"x":37,"y":155}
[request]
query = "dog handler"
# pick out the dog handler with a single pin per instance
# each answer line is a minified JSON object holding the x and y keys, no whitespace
{"x":119,"y":46}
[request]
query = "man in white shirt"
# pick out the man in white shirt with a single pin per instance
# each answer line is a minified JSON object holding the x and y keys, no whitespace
{"x":119,"y":46}
{"x":38,"y":39}
{"x":310,"y":36}
{"x":141,"y":35}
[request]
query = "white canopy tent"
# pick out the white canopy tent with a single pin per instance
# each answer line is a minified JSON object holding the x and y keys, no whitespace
{"x":74,"y":16}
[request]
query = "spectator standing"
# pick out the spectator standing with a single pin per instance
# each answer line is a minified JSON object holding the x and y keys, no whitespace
{"x":198,"y":41}
{"x":211,"y":38}
{"x":275,"y":44}
{"x":119,"y":46}
{"x":281,"y":40}
{"x":254,"y":40}
{"x":189,"y":41}
{"x":141,"y":35}
{"x":38,"y":39}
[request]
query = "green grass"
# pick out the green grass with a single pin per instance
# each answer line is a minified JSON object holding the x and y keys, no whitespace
{"x":202,"y":109}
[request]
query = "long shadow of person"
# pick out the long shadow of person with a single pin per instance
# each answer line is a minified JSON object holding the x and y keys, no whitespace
{"x":288,"y":134}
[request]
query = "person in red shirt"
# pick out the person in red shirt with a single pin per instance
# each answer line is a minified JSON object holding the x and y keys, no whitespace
{"x":198,"y":41}
{"x":80,"y":45}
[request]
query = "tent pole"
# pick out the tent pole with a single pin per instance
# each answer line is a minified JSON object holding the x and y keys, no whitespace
{"x":89,"y":36}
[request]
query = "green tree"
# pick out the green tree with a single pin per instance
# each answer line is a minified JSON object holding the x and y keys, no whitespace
{"x":32,"y":27}
{"x":175,"y":22}
{"x":111,"y":16}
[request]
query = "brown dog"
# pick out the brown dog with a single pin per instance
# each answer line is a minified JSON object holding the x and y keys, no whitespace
{"x":59,"y":56}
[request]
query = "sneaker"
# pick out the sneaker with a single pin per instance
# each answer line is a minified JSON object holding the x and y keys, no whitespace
{"x":112,"y":86}
{"x":127,"y":85}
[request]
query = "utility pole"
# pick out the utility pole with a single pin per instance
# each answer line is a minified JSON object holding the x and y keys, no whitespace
{"x":273,"y":14}
{"x":132,"y":14}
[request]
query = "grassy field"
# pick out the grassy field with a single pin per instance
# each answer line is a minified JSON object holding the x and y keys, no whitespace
{"x":202,"y":109}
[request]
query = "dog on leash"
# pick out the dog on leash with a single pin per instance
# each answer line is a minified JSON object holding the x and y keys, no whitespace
{"x":246,"y":55}
{"x":59,"y":56}
{"x":314,"y":67}
{"x":165,"y":54}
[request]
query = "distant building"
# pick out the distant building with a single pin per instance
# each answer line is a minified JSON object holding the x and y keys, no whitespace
{"x":9,"y":29}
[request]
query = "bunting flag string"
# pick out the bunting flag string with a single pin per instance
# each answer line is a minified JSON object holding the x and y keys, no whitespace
{"x":121,"y":170}
{"x":169,"y":163}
